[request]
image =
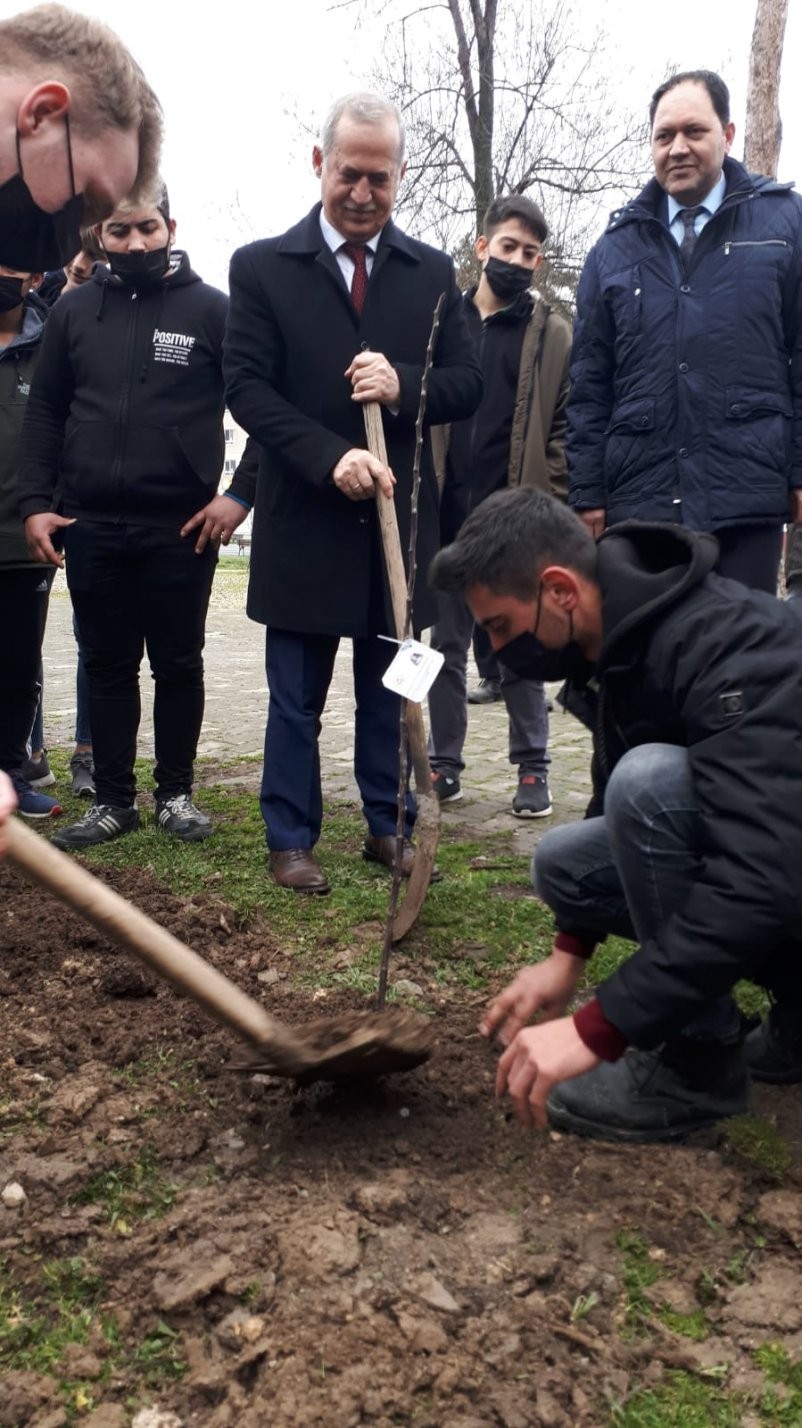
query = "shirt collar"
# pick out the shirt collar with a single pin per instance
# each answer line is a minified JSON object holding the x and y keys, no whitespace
{"x":335,"y":240}
{"x":713,"y":200}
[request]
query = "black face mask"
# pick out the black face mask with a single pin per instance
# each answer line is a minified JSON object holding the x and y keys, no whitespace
{"x":140,"y":270}
{"x":529,"y":658}
{"x":31,"y":239}
{"x":10,"y":293}
{"x":507,"y":280}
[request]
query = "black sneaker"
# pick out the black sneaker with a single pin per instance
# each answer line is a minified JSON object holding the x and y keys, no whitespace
{"x":82,"y":769}
{"x":447,"y":790}
{"x":37,"y":772}
{"x":179,"y":816}
{"x":774,"y":1049}
{"x":654,"y":1095}
{"x":533,"y":799}
{"x":487,"y":691}
{"x":100,"y":824}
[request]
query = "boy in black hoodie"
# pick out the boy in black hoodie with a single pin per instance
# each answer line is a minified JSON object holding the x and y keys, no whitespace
{"x":125,"y":419}
{"x":693,"y":687}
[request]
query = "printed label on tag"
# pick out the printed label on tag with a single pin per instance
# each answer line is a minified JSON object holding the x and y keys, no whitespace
{"x":413,"y":671}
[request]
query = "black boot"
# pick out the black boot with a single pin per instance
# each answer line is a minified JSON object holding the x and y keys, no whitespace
{"x":774,"y":1049}
{"x":655,"y":1095}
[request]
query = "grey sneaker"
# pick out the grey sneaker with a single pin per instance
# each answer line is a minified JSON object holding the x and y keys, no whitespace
{"x":37,"y":772}
{"x":487,"y":691}
{"x":82,"y":768}
{"x":179,"y":816}
{"x":533,"y":799}
{"x":99,"y":824}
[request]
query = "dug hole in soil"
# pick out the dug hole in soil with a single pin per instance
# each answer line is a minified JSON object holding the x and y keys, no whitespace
{"x":399,"y":1254}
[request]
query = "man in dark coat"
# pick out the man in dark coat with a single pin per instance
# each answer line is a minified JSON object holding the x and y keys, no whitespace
{"x":693,"y":685}
{"x":330,"y":315}
{"x":686,"y":396}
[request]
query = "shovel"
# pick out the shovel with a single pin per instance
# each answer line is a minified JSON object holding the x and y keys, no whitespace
{"x":357,"y":1044}
{"x":427,"y":826}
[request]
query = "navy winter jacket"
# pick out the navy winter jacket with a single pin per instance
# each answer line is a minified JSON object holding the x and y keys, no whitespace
{"x":686,"y":384}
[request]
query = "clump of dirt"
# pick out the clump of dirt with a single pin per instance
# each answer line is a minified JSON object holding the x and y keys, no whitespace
{"x":354,"y":1046}
{"x":392,"y":1252}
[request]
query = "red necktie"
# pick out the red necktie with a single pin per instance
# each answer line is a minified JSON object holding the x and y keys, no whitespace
{"x":359,"y":282}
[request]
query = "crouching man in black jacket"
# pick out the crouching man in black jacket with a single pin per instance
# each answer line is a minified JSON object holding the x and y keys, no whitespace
{"x":125,"y":419}
{"x":693,"y":687}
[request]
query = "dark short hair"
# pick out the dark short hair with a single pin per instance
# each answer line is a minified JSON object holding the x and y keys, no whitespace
{"x":517,"y":206}
{"x":713,"y":83}
{"x":507,"y":542}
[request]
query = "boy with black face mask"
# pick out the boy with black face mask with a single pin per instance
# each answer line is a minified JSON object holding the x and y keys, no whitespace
{"x":24,"y":585}
{"x":515,"y":438}
{"x":127,"y":416}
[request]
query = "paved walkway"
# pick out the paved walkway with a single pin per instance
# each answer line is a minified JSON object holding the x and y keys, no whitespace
{"x":235,"y":717}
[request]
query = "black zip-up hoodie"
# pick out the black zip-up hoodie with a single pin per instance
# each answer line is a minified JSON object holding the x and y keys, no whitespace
{"x":694,"y":660}
{"x":125,"y":412}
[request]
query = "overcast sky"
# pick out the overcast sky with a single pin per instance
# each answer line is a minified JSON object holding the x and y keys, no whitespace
{"x":232,"y":79}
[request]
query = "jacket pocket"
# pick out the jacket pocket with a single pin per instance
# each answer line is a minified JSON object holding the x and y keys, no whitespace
{"x":633,"y":416}
{"x":749,"y":403}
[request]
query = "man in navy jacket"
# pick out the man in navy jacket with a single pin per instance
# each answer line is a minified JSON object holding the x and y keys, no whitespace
{"x":330,"y":315}
{"x":686,"y":374}
{"x":125,"y":418}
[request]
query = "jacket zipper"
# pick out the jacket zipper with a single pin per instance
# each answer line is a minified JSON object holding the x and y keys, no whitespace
{"x":754,"y":243}
{"x":125,"y":401}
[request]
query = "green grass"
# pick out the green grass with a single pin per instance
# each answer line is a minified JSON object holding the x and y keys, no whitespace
{"x":759,"y":1144}
{"x":129,"y":1193}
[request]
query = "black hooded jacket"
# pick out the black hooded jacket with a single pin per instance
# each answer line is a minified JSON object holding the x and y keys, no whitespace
{"x":694,"y":660}
{"x":125,"y":414}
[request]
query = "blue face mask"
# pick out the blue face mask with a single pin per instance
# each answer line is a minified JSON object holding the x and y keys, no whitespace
{"x":31,"y":240}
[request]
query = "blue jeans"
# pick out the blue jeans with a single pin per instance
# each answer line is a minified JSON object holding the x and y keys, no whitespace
{"x":628,"y":871}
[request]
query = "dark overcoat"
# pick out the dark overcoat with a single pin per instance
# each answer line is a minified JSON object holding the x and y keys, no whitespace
{"x":292,"y":333}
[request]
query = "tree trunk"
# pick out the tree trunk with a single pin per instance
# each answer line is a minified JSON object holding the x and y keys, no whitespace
{"x":763,"y":127}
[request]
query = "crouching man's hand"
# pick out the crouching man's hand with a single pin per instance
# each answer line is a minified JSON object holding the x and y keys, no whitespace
{"x":546,"y":988}
{"x":538,"y":1059}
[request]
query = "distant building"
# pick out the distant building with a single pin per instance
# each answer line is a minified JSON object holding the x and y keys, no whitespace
{"x":235,"y":445}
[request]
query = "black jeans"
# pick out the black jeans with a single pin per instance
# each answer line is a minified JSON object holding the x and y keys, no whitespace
{"x":137,"y":587}
{"x":23,"y":612}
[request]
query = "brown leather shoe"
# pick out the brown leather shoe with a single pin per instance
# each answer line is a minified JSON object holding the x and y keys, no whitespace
{"x":298,"y":869}
{"x":382,"y":850}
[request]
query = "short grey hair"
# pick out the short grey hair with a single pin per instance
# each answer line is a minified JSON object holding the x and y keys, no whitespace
{"x":364,"y":108}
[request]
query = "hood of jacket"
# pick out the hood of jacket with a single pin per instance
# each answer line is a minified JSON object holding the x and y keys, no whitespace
{"x":34,"y":313}
{"x":645,"y":567}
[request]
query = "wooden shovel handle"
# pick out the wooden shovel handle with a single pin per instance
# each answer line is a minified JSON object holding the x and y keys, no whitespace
{"x":124,"y":924}
{"x":397,"y":579}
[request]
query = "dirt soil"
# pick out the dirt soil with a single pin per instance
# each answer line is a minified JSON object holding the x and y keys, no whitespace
{"x":394,"y":1254}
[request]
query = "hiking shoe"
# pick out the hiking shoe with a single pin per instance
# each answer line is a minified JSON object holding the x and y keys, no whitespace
{"x":533,"y":799}
{"x":774,"y":1049}
{"x":487,"y":691}
{"x":179,"y":816}
{"x":654,"y":1095}
{"x":37,"y":772}
{"x":82,"y":768}
{"x":31,"y":803}
{"x":446,"y":790}
{"x":100,"y":824}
